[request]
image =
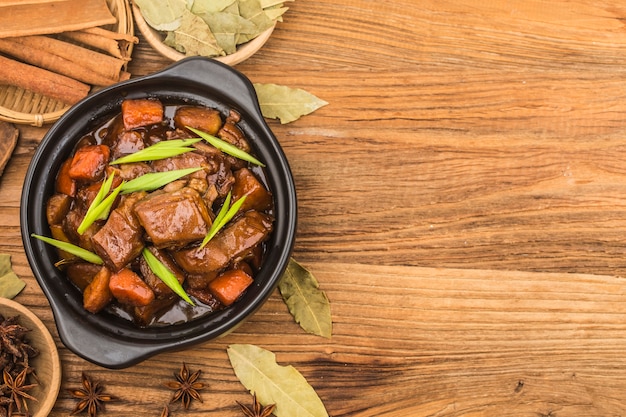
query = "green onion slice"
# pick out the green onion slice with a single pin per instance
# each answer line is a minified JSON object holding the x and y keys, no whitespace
{"x":223,"y":217}
{"x":161,"y":150}
{"x":155,"y":180}
{"x":102,"y":192}
{"x":100,"y":211}
{"x":162,"y":271}
{"x":226,"y":147}
{"x":73,"y":249}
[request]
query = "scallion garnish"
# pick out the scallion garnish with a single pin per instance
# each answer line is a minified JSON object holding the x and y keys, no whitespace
{"x":224,"y":216}
{"x":163,"y":272}
{"x":161,"y":150}
{"x":154,"y":180}
{"x":226,"y":147}
{"x":72,"y":249}
{"x":100,"y":207}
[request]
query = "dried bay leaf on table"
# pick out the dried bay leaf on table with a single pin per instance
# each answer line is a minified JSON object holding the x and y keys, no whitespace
{"x":308,"y":305}
{"x":162,"y":15}
{"x":10,"y":284}
{"x":193,"y":37}
{"x":286,"y":103}
{"x":284,"y":386}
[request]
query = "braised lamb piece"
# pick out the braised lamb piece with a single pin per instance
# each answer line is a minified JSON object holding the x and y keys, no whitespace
{"x":169,"y":223}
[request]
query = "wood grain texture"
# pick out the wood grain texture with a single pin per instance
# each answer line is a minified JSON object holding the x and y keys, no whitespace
{"x":8,"y":140}
{"x":461,"y":200}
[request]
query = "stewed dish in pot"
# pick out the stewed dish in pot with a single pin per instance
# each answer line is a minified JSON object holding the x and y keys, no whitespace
{"x":172,"y":204}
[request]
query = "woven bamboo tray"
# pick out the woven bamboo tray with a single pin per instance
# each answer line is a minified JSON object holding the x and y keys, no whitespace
{"x":25,"y":107}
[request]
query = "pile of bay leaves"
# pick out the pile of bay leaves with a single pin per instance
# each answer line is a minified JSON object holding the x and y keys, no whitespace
{"x":211,"y":27}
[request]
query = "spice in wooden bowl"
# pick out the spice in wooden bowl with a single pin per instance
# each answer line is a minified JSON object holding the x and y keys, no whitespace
{"x":229,"y":34}
{"x":30,"y":362}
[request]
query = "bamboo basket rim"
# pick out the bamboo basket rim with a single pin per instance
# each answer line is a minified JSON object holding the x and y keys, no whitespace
{"x":155,"y":39}
{"x":21,"y":106}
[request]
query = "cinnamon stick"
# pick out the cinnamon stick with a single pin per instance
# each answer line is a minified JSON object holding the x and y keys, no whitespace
{"x":105,"y":33}
{"x":104,"y":44}
{"x":50,"y":61}
{"x":97,"y":62}
{"x":41,"y":81}
{"x":22,"y":18}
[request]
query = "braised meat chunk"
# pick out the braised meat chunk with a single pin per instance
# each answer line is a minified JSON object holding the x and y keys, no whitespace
{"x":119,"y":241}
{"x":174,"y":219}
{"x":240,"y":236}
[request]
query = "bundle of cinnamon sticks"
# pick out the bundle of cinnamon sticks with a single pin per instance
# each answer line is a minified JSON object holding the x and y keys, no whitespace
{"x":61,"y":48}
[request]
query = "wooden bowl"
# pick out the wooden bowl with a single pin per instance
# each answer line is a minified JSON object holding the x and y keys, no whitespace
{"x":155,"y":39}
{"x":47,"y":364}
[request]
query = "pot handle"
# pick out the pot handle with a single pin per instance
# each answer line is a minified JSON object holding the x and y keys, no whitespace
{"x":219,"y":77}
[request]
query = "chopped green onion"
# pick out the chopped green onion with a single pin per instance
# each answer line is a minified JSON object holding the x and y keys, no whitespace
{"x":100,"y":211}
{"x":223,"y":210}
{"x":161,"y":150}
{"x":73,"y":249}
{"x":162,"y":271}
{"x":226,"y":147}
{"x":102,"y":192}
{"x":155,"y":180}
{"x":222,"y":219}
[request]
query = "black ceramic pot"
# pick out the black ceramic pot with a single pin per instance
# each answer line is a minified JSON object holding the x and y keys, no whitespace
{"x":106,"y":339}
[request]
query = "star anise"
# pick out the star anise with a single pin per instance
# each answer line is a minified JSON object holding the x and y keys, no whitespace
{"x":12,"y":335}
{"x":15,"y":351}
{"x":186,"y":387}
{"x":257,"y":409}
{"x":16,"y":388}
{"x":90,"y":396}
{"x":166,"y":411}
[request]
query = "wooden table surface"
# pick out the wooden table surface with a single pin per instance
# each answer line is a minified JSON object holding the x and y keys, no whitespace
{"x":461,"y":201}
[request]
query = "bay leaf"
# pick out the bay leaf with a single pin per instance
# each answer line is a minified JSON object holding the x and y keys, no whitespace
{"x":275,"y":13}
{"x":162,"y":15}
{"x":284,"y":386}
{"x":308,"y":305}
{"x":286,"y":103}
{"x":194,"y":37}
{"x":226,"y":27}
{"x":270,"y":3}
{"x":210,"y":6}
{"x":10,"y":284}
{"x":252,"y":11}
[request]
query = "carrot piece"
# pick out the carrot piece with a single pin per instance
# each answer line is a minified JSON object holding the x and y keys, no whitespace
{"x":89,"y":162}
{"x":229,"y":286}
{"x":141,"y":112}
{"x":64,"y":183}
{"x":207,"y":120}
{"x":97,"y":294}
{"x":128,"y":288}
{"x":257,"y":196}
